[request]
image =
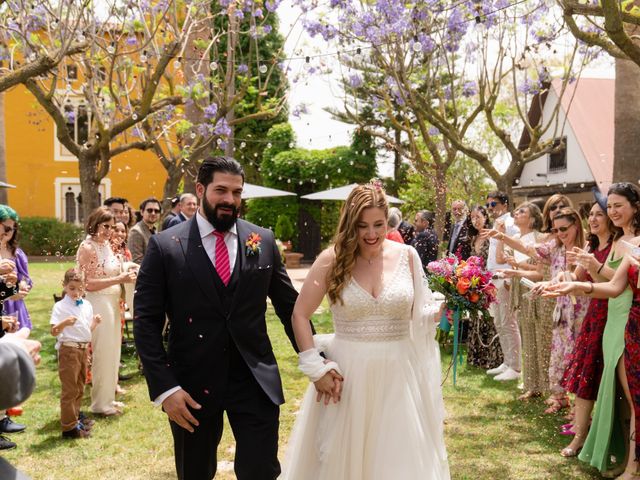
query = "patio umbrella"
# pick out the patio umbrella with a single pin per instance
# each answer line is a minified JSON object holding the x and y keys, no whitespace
{"x":256,"y":191}
{"x":6,"y":185}
{"x":341,"y":193}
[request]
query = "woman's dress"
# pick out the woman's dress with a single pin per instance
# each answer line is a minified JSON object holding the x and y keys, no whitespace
{"x":389,"y":421}
{"x":582,"y":377}
{"x":105,"y":339}
{"x":632,"y":350}
{"x":11,"y":307}
{"x":483,"y":345}
{"x":605,"y":442}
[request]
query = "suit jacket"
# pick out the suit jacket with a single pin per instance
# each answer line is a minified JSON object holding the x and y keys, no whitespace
{"x":139,"y":236}
{"x":178,"y":279}
{"x":176,"y":220}
{"x":453,"y":245}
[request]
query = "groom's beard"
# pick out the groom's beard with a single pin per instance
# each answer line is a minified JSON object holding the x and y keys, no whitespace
{"x":222,"y":222}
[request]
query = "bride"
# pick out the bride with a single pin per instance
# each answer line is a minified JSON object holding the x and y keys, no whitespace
{"x":375,"y":410}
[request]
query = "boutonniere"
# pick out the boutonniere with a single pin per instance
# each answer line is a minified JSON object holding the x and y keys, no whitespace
{"x":252,"y":245}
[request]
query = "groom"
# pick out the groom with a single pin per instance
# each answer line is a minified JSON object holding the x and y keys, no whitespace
{"x":211,"y":277}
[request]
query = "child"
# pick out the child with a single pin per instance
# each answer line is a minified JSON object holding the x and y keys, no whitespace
{"x":72,"y":322}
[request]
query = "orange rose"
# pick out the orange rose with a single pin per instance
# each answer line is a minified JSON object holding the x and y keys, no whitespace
{"x":463,"y":285}
{"x":474,"y":297}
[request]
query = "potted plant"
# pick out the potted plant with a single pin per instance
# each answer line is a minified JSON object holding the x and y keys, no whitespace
{"x":285,"y":231}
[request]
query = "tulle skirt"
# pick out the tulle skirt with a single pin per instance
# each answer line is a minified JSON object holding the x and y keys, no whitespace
{"x":388,"y":424}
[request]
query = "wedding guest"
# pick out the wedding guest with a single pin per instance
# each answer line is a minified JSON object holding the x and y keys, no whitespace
{"x":175,"y":210}
{"x":140,"y":234}
{"x":188,"y":207}
{"x":582,"y":377}
{"x":9,"y":249}
{"x":72,"y":322}
{"x":483,"y":345}
{"x":426,"y":240}
{"x":392,"y":228}
{"x":405,"y":228}
{"x":533,"y":314}
{"x":506,"y":325}
{"x":552,"y":206}
{"x":569,"y":312}
{"x":118,"y":207}
{"x":459,"y":227}
{"x":103,"y":276}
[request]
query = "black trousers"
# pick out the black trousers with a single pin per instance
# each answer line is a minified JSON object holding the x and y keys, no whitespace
{"x":254,"y":420}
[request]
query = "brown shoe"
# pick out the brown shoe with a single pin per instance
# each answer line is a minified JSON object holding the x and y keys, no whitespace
{"x":77,"y":432}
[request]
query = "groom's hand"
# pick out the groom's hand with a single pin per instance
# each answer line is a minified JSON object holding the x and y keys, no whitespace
{"x":329,"y":387}
{"x":175,"y":406}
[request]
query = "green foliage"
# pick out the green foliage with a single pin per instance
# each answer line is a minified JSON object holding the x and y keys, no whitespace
{"x":466,"y":180}
{"x":307,"y":171}
{"x":49,"y":236}
{"x":284,"y":228}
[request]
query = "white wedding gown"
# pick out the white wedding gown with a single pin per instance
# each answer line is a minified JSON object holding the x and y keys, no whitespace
{"x":389,"y":421}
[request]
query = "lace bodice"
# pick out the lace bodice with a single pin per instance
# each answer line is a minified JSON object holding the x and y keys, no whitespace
{"x":387,"y":317}
{"x":108,"y":265}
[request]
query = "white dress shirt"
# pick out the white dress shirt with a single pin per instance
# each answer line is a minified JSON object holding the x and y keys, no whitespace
{"x":209,"y":244}
{"x":511,"y":230}
{"x":79,"y":331}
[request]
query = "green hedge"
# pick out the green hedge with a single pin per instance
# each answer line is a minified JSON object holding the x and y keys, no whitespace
{"x":49,"y":236}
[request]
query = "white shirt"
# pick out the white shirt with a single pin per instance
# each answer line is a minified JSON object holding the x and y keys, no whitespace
{"x":511,"y":230}
{"x":209,"y":240}
{"x":209,"y":244}
{"x":79,"y":331}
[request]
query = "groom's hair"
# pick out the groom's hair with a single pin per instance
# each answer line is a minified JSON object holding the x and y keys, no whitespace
{"x":212,"y":165}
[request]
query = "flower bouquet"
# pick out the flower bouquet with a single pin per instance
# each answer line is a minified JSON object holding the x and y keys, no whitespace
{"x":467,"y":287}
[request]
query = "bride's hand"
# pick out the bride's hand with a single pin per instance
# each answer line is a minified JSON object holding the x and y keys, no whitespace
{"x":329,"y":387}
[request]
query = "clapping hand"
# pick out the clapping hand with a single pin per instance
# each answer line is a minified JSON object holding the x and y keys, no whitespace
{"x":329,"y":387}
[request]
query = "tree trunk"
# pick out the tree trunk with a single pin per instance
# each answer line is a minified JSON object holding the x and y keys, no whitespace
{"x":89,"y":185}
{"x":4,"y":196}
{"x":440,"y":183}
{"x":171,"y":184}
{"x":626,"y":143}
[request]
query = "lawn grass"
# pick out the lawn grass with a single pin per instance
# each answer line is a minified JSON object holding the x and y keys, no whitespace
{"x":489,"y":434}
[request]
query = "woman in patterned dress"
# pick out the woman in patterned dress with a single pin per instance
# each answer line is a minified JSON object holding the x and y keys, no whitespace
{"x":483,"y":346}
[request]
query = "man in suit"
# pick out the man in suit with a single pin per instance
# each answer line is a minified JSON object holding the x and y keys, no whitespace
{"x":188,"y":207}
{"x":211,"y":276}
{"x":141,"y":232}
{"x":459,"y":225}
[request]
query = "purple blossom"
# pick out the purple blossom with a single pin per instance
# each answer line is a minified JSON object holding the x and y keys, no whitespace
{"x":469,"y":89}
{"x":266,"y":29}
{"x":272,"y":5}
{"x":211,"y":111}
{"x":222,"y":128}
{"x":70,"y":115}
{"x":243,"y":68}
{"x":258,"y":13}
{"x":355,"y":80}
{"x":131,"y":40}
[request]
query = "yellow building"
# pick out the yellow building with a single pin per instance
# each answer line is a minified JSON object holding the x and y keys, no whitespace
{"x":46,"y":174}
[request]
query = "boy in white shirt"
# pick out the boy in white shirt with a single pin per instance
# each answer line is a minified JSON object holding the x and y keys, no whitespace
{"x":72,"y":321}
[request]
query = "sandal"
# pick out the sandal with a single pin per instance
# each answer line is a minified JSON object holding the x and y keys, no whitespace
{"x":570,"y":452}
{"x":557,"y":405}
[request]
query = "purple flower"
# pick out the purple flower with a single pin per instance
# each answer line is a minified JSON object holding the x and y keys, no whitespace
{"x":243,"y":68}
{"x":131,"y":40}
{"x":469,"y":89}
{"x":211,"y":111}
{"x":222,"y":128}
{"x":355,"y":80}
{"x":70,"y":115}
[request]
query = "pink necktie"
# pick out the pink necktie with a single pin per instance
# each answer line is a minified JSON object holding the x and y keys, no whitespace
{"x":222,"y":258}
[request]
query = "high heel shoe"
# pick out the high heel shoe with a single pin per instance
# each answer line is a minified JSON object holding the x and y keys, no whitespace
{"x":558,"y":404}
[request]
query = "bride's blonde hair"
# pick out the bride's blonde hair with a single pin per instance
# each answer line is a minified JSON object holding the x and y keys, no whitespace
{"x":345,"y":242}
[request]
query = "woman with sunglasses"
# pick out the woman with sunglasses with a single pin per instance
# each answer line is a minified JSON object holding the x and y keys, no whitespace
{"x":534,"y":313}
{"x":103,"y":276}
{"x":606,"y":439}
{"x":9,"y":249}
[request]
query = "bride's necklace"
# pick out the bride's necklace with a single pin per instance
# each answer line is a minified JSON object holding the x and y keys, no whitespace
{"x":370,"y":260}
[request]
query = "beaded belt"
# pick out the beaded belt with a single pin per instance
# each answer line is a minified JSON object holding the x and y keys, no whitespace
{"x":82,"y":345}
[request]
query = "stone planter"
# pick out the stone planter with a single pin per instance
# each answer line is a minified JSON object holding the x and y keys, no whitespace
{"x":292,"y":259}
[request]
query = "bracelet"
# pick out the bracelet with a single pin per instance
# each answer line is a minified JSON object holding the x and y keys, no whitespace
{"x":591,"y":290}
{"x":601,"y":267}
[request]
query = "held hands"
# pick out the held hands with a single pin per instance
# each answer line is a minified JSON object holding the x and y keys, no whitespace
{"x":329,"y":387}
{"x":175,"y":406}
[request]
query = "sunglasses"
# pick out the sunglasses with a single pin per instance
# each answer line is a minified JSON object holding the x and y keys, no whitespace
{"x":152,"y":210}
{"x":560,"y":229}
{"x":8,"y":229}
{"x":553,"y":208}
{"x":491,"y":204}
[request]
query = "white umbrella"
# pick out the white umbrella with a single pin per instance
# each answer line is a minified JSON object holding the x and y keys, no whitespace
{"x":341,"y":193}
{"x":256,"y":191}
{"x":6,"y":185}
